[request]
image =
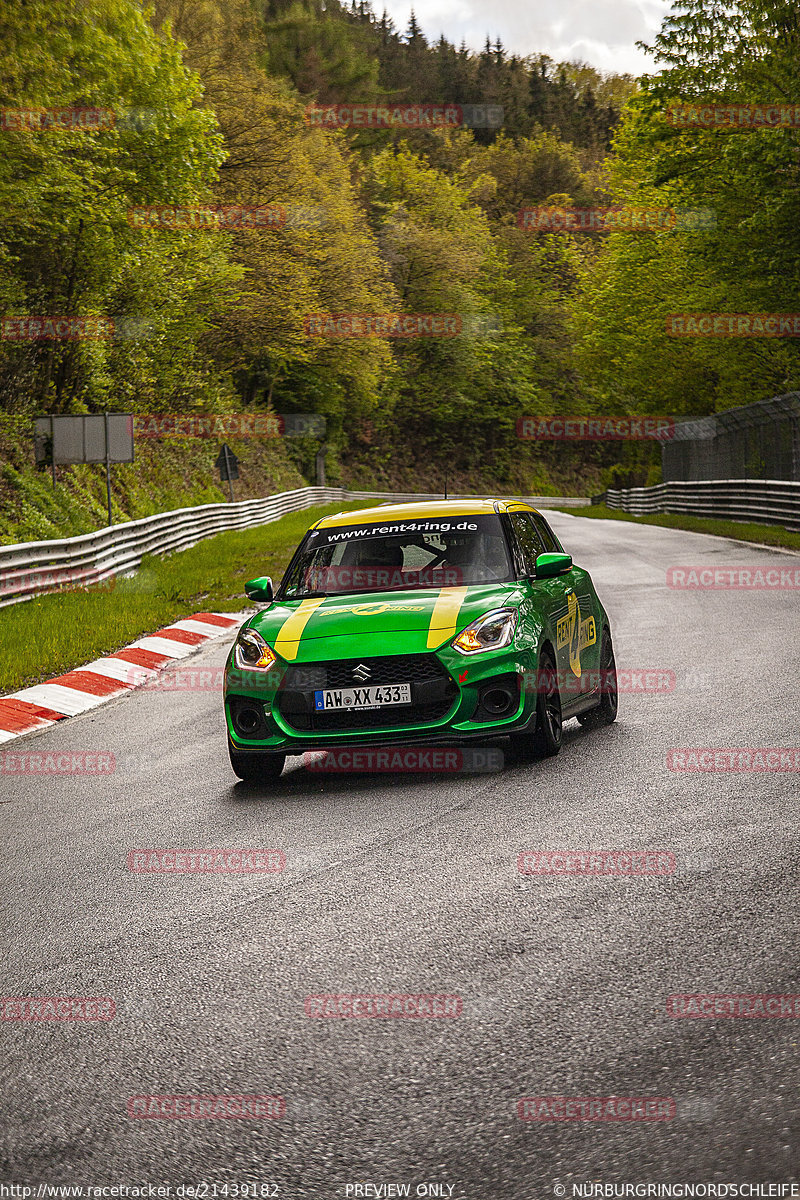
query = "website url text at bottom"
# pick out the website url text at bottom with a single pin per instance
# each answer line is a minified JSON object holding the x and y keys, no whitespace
{"x":203,"y":1190}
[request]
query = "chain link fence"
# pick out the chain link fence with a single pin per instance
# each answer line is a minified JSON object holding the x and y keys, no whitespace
{"x":756,"y":441}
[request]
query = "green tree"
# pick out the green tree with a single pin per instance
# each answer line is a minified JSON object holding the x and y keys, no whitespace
{"x":324,"y":260}
{"x":444,"y":259}
{"x":747,"y":183}
{"x":68,"y":246}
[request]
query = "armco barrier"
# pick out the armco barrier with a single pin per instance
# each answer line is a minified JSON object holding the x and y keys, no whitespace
{"x":35,"y":568}
{"x":766,"y":501}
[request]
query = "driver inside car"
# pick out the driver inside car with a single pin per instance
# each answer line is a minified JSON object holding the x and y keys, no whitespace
{"x":376,"y":563}
{"x":475,"y":559}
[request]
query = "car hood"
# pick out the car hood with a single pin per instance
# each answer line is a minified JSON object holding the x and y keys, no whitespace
{"x":343,"y":626}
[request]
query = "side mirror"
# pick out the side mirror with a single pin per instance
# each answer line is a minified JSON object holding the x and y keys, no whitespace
{"x":259,"y":589}
{"x":548,"y":565}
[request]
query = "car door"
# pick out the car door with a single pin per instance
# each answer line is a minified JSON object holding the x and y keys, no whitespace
{"x":584,"y":635}
{"x":549,"y":595}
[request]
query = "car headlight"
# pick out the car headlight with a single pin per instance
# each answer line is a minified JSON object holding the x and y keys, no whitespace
{"x":251,"y":652}
{"x":492,"y":631}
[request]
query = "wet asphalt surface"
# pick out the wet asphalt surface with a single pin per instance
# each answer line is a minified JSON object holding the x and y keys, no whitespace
{"x":409,"y":884}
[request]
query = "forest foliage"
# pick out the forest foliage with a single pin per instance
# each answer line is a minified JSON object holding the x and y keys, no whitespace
{"x":211,"y":101}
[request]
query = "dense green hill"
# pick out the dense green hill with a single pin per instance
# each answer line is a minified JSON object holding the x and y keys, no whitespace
{"x":208,"y":105}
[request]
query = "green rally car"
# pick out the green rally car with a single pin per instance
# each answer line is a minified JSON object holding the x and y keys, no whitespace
{"x":419,"y":624}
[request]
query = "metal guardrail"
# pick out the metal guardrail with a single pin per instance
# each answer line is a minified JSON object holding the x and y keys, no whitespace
{"x":35,"y":568}
{"x":766,"y":501}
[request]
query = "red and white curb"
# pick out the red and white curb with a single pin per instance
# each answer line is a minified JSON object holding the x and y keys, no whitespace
{"x":101,"y":680}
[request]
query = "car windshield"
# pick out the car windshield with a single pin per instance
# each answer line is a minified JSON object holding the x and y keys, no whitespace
{"x":399,"y":556}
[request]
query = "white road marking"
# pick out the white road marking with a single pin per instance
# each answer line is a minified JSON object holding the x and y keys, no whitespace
{"x":61,"y":699}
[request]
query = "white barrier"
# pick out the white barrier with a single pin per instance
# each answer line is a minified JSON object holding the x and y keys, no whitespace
{"x":34,"y":568}
{"x":766,"y":501}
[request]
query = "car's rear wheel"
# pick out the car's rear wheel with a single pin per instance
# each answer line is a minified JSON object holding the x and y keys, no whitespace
{"x":256,"y":768}
{"x":606,"y":710}
{"x":547,"y":737}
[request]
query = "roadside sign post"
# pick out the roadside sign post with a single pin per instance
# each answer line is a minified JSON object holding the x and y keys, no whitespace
{"x":320,"y":464}
{"x":93,"y":438}
{"x":108,"y":469}
{"x":228,"y":466}
{"x":309,"y":425}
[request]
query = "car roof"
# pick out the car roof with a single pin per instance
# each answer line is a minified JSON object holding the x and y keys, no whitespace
{"x":429,"y":508}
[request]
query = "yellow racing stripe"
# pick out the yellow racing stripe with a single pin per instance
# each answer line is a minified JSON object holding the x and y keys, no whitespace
{"x":444,"y":617}
{"x":287,"y":642}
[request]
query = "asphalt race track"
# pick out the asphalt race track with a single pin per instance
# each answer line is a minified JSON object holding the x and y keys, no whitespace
{"x":410,"y":884}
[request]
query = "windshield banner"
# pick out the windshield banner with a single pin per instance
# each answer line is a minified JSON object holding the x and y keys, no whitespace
{"x":413,"y":529}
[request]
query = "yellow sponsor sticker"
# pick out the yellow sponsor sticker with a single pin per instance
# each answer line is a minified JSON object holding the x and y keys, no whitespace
{"x":373,"y":610}
{"x":287,"y":643}
{"x":577,"y":634}
{"x":588,"y":633}
{"x":444,"y":618}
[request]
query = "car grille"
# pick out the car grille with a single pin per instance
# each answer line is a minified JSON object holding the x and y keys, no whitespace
{"x":432,"y":693}
{"x":394,"y":668}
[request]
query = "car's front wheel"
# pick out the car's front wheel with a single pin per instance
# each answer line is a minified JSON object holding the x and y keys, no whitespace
{"x":547,"y":737}
{"x":256,"y":768}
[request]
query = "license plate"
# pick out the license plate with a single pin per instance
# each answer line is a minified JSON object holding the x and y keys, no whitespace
{"x":364,"y":697}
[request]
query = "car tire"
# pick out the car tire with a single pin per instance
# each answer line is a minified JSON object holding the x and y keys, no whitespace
{"x":256,"y":768}
{"x":548,"y":734}
{"x":606,"y":711}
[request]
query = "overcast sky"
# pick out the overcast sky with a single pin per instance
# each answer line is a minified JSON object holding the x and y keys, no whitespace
{"x":600,"y":32}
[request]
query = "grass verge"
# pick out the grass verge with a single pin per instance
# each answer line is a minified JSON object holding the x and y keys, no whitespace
{"x":741,"y":531}
{"x":53,"y":634}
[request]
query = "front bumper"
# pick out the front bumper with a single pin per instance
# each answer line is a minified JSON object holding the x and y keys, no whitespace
{"x":464,"y":713}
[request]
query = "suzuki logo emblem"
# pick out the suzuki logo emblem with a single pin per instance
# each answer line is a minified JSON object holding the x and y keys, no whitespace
{"x":361,"y":672}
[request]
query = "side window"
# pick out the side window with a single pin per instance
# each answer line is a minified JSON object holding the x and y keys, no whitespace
{"x":545,"y":533}
{"x":528,"y":539}
{"x":513,"y":545}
